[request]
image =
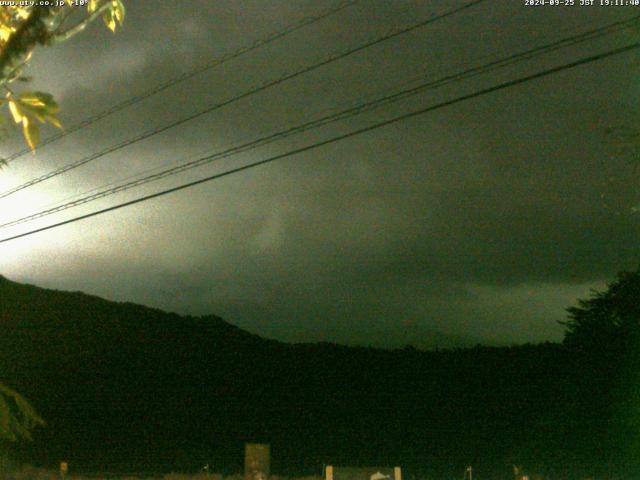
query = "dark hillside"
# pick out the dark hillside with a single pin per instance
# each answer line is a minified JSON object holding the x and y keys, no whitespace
{"x":133,"y":388}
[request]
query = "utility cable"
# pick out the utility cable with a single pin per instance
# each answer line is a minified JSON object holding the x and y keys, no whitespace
{"x":588,"y":35}
{"x":261,"y":88}
{"x":332,"y":118}
{"x":313,"y":146}
{"x":304,"y":22}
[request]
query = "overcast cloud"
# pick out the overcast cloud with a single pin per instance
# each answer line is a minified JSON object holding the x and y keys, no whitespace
{"x":484,"y":220}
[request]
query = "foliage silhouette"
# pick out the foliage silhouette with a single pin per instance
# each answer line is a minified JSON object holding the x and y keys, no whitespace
{"x":17,"y":417}
{"x":603,"y":334}
{"x":23,"y":27}
{"x":128,"y":387}
{"x":608,"y":319}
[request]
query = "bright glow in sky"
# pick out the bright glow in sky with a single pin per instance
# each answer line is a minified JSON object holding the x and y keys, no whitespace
{"x":484,"y":220}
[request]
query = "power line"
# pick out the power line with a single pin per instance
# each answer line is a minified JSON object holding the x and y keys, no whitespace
{"x":338,"y":138}
{"x":527,"y":55}
{"x":261,"y":88}
{"x":304,"y":22}
{"x":337,"y":116}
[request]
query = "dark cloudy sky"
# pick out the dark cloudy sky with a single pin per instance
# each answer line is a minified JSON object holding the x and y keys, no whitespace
{"x":484,"y":220}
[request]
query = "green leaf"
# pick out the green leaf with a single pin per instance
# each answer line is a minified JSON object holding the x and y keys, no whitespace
{"x":32,"y":106}
{"x":5,"y":420}
{"x":109,"y":20}
{"x":17,"y":416}
{"x":118,"y":10}
{"x":92,"y":6}
{"x":114,"y":15}
{"x":16,"y":111}
{"x":31,"y":133}
{"x":40,"y":100}
{"x":53,"y":120}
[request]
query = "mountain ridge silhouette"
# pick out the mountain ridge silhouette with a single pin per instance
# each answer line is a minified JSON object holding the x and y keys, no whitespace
{"x":125,"y":387}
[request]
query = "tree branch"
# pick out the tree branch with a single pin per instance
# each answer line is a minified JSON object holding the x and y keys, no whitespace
{"x":67,"y":34}
{"x":32,"y":32}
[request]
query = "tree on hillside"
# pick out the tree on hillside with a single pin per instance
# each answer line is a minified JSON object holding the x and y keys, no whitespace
{"x":608,"y":319}
{"x":604,"y":331}
{"x":22,"y":29}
